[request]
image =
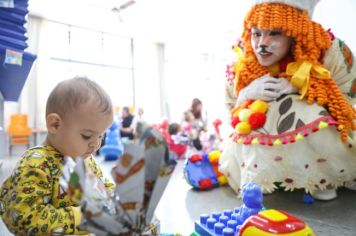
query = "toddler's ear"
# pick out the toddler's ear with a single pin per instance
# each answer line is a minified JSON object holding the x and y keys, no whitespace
{"x":53,"y":121}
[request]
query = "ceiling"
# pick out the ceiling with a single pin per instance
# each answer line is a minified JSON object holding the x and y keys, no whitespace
{"x":198,"y":22}
{"x":202,"y":24}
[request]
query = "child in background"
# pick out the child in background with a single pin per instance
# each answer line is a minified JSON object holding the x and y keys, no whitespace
{"x":32,"y":202}
{"x":190,"y":130}
{"x":187,"y":123}
{"x":178,"y":140}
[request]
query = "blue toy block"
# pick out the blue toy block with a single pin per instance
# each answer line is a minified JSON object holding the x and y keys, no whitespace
{"x":12,"y":76}
{"x":199,"y":172}
{"x":228,"y":222}
{"x":208,"y":225}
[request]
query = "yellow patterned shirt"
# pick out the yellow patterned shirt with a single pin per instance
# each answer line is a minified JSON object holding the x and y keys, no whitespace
{"x":31,"y":200}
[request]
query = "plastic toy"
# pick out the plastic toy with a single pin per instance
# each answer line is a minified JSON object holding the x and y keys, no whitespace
{"x":265,"y":223}
{"x":214,"y":157}
{"x":308,"y":199}
{"x":201,"y":171}
{"x":218,"y":223}
{"x":251,"y":219}
{"x":230,"y":221}
{"x":252,"y":198}
{"x":275,"y":222}
{"x":113,"y":147}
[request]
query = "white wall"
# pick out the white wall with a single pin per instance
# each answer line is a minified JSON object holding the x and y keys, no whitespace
{"x":340,"y":17}
{"x":147,"y":94}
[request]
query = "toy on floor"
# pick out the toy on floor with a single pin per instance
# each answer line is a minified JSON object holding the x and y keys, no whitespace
{"x":308,"y":199}
{"x":230,"y":221}
{"x":113,"y":147}
{"x":275,"y":222}
{"x":252,"y":198}
{"x":251,"y":219}
{"x":201,"y":171}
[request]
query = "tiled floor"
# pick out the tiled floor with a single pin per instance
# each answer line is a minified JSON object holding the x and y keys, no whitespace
{"x":180,"y":205}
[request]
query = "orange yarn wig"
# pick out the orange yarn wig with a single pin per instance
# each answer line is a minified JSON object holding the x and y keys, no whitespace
{"x":310,"y":41}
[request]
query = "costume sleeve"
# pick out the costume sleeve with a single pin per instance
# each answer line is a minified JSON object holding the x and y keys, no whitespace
{"x":28,"y":208}
{"x":95,"y":168}
{"x":230,"y":97}
{"x":339,"y":60}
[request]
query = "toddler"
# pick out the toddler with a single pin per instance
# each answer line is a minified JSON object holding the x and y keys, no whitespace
{"x":32,"y":202}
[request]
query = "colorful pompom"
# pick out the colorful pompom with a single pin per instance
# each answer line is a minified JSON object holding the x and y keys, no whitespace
{"x":262,"y":142}
{"x":243,"y":127}
{"x":244,"y":114}
{"x":235,"y":112}
{"x":299,"y":137}
{"x":323,"y":125}
{"x":252,"y":113}
{"x":255,"y":141}
{"x":277,"y":142}
{"x":259,"y":106}
{"x":257,"y":120}
{"x":247,"y":103}
{"x":234,"y":121}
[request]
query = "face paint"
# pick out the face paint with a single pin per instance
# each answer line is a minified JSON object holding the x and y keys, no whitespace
{"x":269,"y":46}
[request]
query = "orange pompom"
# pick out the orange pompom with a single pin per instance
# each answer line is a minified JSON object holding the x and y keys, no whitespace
{"x":247,"y":103}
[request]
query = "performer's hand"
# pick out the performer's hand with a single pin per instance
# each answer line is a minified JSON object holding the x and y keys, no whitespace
{"x":266,"y":88}
{"x":286,"y":87}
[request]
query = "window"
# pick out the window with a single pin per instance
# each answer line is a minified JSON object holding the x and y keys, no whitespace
{"x":103,"y":57}
{"x":67,"y":51}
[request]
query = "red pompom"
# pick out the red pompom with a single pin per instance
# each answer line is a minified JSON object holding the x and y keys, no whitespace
{"x":234,"y":121}
{"x":257,"y":120}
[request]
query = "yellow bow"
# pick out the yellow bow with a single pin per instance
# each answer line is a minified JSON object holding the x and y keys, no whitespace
{"x":301,"y":71}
